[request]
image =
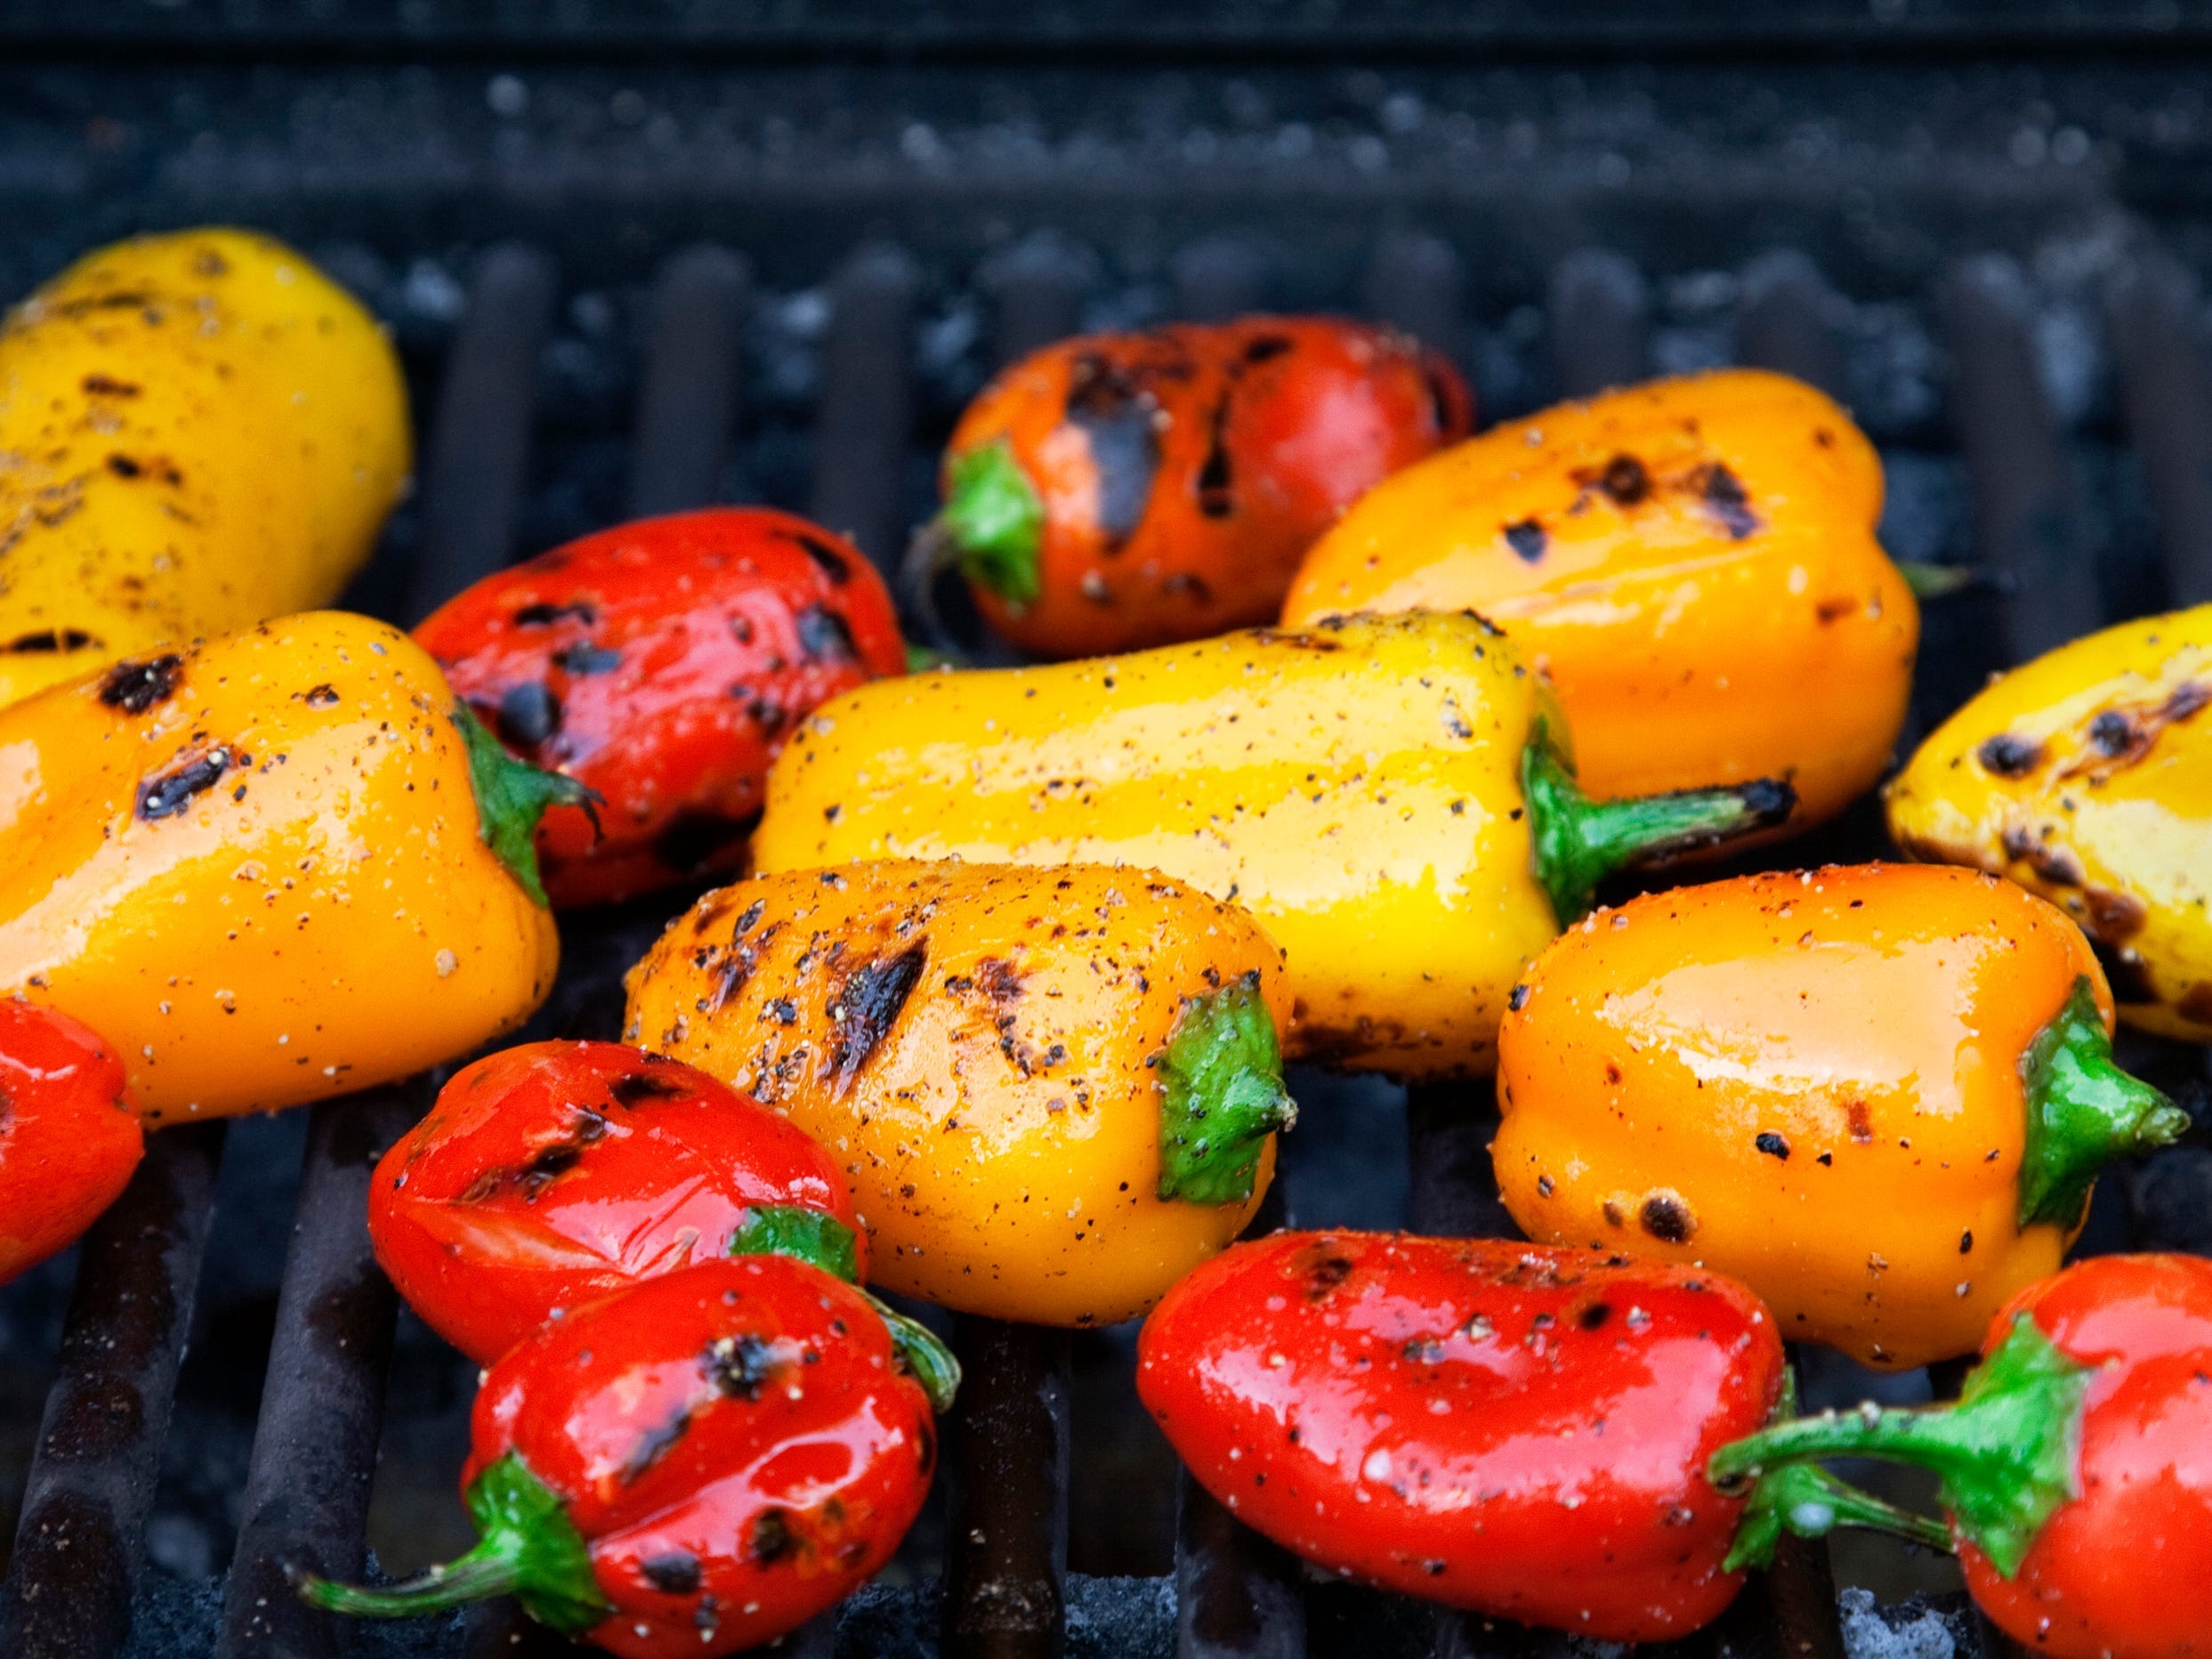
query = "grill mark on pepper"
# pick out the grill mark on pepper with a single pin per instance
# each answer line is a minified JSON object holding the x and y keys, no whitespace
{"x":635,"y":1088}
{"x":1667,"y":1216}
{"x":135,"y":687}
{"x":654,"y":1445}
{"x":2116,"y":916}
{"x":867,"y":1006}
{"x":1772,"y":1145}
{"x":2122,"y":737}
{"x":1527,"y":539}
{"x":585,"y":658}
{"x":1323,"y":1277}
{"x":2054,"y":864}
{"x":1593,"y":1316}
{"x":1215,"y":493}
{"x":50,"y":640}
{"x":1265,"y":347}
{"x":2007,"y":755}
{"x":528,"y":715}
{"x":1860,"y":1123}
{"x":1725,"y":498}
{"x":1443,"y":397}
{"x":1295,"y":640}
{"x":1623,"y":480}
{"x":1115,"y":417}
{"x":167,"y":793}
{"x":543,"y":614}
{"x":772,"y":1538}
{"x":324,"y":696}
{"x":100,"y":385}
{"x":831,"y":563}
{"x":693,"y":839}
{"x":825,"y":636}
{"x":672,"y":1572}
{"x":741,"y":1366}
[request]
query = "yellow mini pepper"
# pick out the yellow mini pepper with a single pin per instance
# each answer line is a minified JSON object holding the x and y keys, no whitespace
{"x":1392,"y":797}
{"x":197,"y":431}
{"x":272,"y":866}
{"x":2086,"y":775}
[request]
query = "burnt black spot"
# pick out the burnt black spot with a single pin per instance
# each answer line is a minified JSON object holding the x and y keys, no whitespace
{"x":2112,"y":734}
{"x":544,"y":615}
{"x":1517,"y":998}
{"x":741,"y":628}
{"x":867,"y":1007}
{"x":1860,"y":1122}
{"x":771,"y":1539}
{"x":585,"y":658}
{"x":1325,"y":1275}
{"x":1625,"y":480}
{"x":1000,"y":980}
{"x":1773,"y":1146}
{"x":2009,"y":756}
{"x":828,"y":560}
{"x":167,"y":793}
{"x":320,"y":697}
{"x":784,"y":1011}
{"x":2114,"y":916}
{"x":528,"y":715}
{"x":1593,"y":1316}
{"x":1666,"y":1217}
{"x":925,"y":1446}
{"x":636,"y":1087}
{"x":695,"y":840}
{"x":135,"y":687}
{"x":1215,"y":493}
{"x":1447,"y":399}
{"x":741,"y":1366}
{"x":751,"y":916}
{"x":672,"y":1572}
{"x":1527,"y":539}
{"x":98,"y":385}
{"x":2185,"y":700}
{"x":1266,"y":347}
{"x":825,"y":636}
{"x":49,"y":639}
{"x":124,"y":467}
{"x":654,"y":1445}
{"x":1114,"y":417}
{"x":1725,"y":500}
{"x":766,"y":712}
{"x":555,"y":1160}
{"x":1422,"y":1350}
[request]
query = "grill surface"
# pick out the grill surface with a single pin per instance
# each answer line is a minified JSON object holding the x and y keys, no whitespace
{"x":624,"y":286}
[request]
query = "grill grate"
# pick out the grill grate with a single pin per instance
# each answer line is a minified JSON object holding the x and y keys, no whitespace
{"x":876,"y":387}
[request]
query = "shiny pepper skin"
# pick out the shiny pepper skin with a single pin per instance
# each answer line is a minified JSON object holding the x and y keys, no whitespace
{"x":2077,"y":1465}
{"x":690,"y":1468}
{"x":68,"y":1139}
{"x":1690,"y":564}
{"x":2086,"y":776}
{"x":1826,"y":1084}
{"x":662,"y":664}
{"x":549,"y":1175}
{"x":197,"y":431}
{"x":1000,"y":1061}
{"x":1504,"y":1428}
{"x":1118,"y":491}
{"x":261,"y":864}
{"x":1364,"y":789}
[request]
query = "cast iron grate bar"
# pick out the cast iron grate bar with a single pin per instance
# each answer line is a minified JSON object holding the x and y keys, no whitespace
{"x":1600,"y":322}
{"x":688,"y":401}
{"x":864,"y":422}
{"x":2154,"y":306}
{"x":77,"y":1559}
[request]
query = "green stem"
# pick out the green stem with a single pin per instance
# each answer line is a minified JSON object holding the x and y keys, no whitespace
{"x":1940,"y":581}
{"x":1220,"y":1095}
{"x":927,"y":1359}
{"x":529,"y":1548}
{"x":1577,"y":842}
{"x":2005,"y":1453}
{"x":511,"y":796}
{"x":2083,"y":1112}
{"x":1806,"y":1499}
{"x":813,"y":1236}
{"x":989,"y":529}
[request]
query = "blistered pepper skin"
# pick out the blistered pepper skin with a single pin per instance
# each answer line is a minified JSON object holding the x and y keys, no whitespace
{"x":197,"y":431}
{"x":1357,"y":788}
{"x":2086,"y":776}
{"x":71,"y":1139}
{"x":554,"y":1173}
{"x":1692,"y":563}
{"x":259,"y":863}
{"x":980,"y":1051}
{"x":1517,"y":1430}
{"x":1179,"y":475}
{"x":661,"y":663}
{"x":1813,"y":1081}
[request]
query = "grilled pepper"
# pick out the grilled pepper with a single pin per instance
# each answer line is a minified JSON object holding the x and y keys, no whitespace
{"x":2086,"y":775}
{"x":690,"y":1467}
{"x":2076,"y":1465}
{"x":70,"y":1139}
{"x":1117,"y":491}
{"x":1052,"y":1093}
{"x":661,"y":663}
{"x":1523,"y":1432}
{"x":274,"y":867}
{"x":1692,"y":565}
{"x":197,"y":431}
{"x":1392,"y":797}
{"x":1878,"y":1095}
{"x":554,"y":1173}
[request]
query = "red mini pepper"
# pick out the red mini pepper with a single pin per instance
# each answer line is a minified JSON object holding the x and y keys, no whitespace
{"x":1516,"y":1430}
{"x":68,"y":1136}
{"x":661,"y":663}
{"x":2076,"y":1464}
{"x":551,"y":1174}
{"x":693,"y":1466}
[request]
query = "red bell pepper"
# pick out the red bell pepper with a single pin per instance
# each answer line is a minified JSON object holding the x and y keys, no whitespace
{"x":1516,"y":1430}
{"x":2076,"y":1465}
{"x":69,"y":1137}
{"x":549,"y":1175}
{"x":693,"y":1466}
{"x":661,"y":663}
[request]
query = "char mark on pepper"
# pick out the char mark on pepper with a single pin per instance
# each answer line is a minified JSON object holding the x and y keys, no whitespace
{"x":1114,"y":417}
{"x":867,"y":1007}
{"x":135,"y":687}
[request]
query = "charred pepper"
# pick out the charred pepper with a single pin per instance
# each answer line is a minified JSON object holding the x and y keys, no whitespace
{"x":1876,"y":1094}
{"x":71,"y":1139}
{"x":1392,"y":797}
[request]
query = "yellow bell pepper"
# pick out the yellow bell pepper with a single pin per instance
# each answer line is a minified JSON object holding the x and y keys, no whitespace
{"x":1391,"y":797}
{"x":1052,"y":1093}
{"x":197,"y":431}
{"x":2086,"y":776}
{"x":276,"y":866}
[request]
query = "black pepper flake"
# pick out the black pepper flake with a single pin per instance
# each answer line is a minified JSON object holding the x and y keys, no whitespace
{"x":1625,"y":480}
{"x":1666,"y":1217}
{"x":1966,"y":1242}
{"x":1517,"y":998}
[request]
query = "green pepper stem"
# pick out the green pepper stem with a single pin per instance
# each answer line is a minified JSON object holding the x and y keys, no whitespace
{"x":927,"y":1359}
{"x":529,"y":1548}
{"x":1575,"y":842}
{"x":1220,"y":1095}
{"x":511,"y":796}
{"x":1804,"y":1499}
{"x":1940,"y":581}
{"x":2083,"y":1112}
{"x":990,"y":528}
{"x":2005,"y":1453}
{"x":813,"y":1236}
